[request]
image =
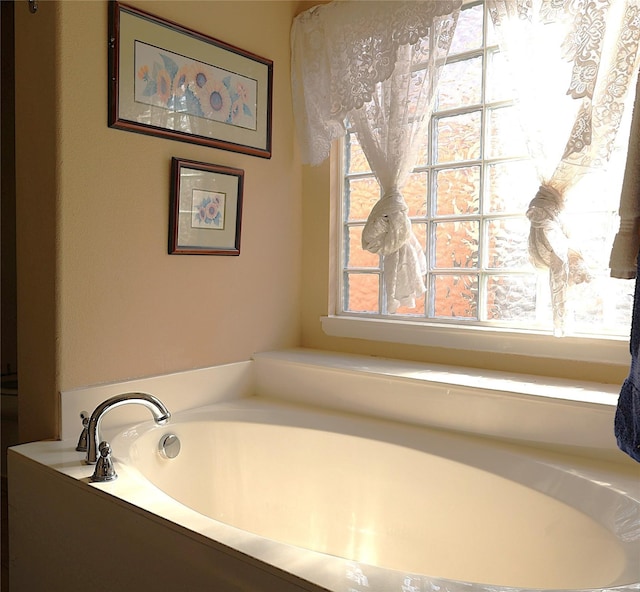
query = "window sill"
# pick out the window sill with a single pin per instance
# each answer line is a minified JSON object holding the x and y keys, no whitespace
{"x":603,"y":350}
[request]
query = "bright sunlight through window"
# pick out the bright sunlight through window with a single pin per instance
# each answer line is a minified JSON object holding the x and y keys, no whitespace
{"x":467,"y":201}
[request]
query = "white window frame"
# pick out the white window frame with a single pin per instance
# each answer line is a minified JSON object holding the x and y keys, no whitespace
{"x":604,"y":349}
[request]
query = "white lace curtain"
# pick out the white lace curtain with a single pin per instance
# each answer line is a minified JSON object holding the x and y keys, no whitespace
{"x":572,"y":63}
{"x":376,"y":63}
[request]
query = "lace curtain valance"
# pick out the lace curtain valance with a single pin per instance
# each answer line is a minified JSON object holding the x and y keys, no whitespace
{"x":342,"y":50}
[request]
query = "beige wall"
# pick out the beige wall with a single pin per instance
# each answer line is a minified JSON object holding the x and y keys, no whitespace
{"x":99,"y":297}
{"x":37,"y":206}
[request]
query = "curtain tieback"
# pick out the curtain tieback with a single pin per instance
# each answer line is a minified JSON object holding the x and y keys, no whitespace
{"x":549,"y":245}
{"x":388,"y":226}
{"x":545,"y":206}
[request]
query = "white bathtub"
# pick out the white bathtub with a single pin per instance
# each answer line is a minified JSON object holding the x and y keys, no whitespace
{"x":418,"y":501}
{"x":268,"y":495}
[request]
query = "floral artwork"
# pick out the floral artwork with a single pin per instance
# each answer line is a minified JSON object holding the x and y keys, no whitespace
{"x":172,"y":82}
{"x":208,"y":209}
{"x":182,"y":85}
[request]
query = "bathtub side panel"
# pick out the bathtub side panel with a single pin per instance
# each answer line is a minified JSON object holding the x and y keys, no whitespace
{"x":66,"y":536}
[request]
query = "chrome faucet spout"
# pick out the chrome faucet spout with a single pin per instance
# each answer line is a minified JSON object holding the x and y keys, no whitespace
{"x":160,"y":414}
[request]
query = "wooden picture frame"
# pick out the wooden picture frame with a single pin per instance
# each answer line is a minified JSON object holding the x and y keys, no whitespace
{"x":169,"y":81}
{"x":205,"y":215}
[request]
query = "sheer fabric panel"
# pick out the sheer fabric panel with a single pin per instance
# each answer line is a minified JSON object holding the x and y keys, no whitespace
{"x":573,"y":62}
{"x":377,"y":64}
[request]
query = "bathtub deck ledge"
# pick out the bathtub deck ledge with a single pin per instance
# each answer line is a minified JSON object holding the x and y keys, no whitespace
{"x":568,"y":415}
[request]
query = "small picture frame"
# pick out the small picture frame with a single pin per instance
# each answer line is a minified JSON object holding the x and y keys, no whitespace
{"x":206,"y":208}
{"x":170,"y":81}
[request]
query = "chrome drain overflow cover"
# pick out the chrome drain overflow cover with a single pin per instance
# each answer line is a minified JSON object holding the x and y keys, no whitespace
{"x":169,"y":446}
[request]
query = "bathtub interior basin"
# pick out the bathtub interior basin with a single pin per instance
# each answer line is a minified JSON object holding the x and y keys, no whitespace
{"x":410,"y":499}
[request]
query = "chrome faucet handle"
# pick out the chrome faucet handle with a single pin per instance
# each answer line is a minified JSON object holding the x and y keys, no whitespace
{"x":104,"y":470}
{"x":84,"y":435}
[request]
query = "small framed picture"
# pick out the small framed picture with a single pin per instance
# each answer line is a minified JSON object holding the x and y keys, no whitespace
{"x":206,"y":208}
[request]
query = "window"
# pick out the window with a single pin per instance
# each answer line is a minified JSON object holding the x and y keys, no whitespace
{"x":467,"y":199}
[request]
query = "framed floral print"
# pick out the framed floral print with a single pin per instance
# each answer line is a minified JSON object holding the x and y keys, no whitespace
{"x":206,"y":208}
{"x":170,"y":81}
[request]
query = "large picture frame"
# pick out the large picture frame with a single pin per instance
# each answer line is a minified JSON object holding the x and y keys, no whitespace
{"x":205,"y":208}
{"x":170,"y":81}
